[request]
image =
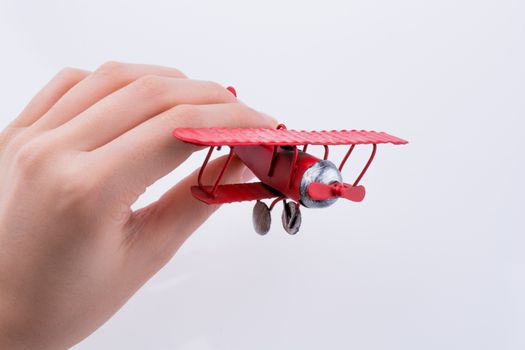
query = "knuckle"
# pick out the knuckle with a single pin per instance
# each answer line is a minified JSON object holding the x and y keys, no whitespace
{"x":242,"y":112}
{"x":249,"y":117}
{"x":183,"y":115}
{"x":217,"y":92}
{"x":18,"y":138}
{"x":65,"y":175}
{"x":32,"y":156}
{"x":73,"y":186}
{"x":241,"y":108}
{"x":70,"y":73}
{"x":113,"y":70}
{"x":6,"y":138}
{"x":178,"y":73}
{"x":150,"y":85}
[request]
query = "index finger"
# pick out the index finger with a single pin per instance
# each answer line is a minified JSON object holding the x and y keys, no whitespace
{"x":149,"y":151}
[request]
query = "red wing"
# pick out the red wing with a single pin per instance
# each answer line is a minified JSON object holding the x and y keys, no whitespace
{"x":280,"y":137}
{"x":234,"y":193}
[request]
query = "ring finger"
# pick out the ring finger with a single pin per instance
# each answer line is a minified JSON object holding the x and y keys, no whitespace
{"x":106,"y":79}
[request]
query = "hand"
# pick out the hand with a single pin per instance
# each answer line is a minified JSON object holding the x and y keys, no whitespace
{"x":71,"y":249}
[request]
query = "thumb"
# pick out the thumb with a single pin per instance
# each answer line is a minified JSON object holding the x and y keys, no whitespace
{"x":159,"y":229}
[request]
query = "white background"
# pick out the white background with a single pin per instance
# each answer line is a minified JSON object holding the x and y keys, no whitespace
{"x":432,"y":259}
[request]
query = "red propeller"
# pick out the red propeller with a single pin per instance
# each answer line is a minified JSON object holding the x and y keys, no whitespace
{"x":319,"y":191}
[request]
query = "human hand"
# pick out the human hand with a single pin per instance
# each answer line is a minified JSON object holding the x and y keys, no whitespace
{"x":72,"y":252}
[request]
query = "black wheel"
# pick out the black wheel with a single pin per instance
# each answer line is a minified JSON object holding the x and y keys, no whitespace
{"x":261,"y":218}
{"x":291,"y":217}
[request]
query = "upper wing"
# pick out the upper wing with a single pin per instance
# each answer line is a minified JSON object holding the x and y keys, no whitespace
{"x":234,"y":193}
{"x":280,"y":137}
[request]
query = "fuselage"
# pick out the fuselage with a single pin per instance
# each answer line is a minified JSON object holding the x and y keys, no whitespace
{"x":277,"y":171}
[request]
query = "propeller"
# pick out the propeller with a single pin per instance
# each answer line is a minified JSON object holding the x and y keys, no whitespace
{"x":319,"y":191}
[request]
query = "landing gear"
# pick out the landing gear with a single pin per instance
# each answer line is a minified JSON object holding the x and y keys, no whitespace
{"x":261,"y":217}
{"x":291,"y":217}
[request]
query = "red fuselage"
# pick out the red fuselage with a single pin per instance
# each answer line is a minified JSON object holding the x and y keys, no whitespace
{"x":282,"y":177}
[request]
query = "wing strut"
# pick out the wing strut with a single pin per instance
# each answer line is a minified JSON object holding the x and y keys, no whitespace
{"x":374,"y":149}
{"x":367,"y":165}
{"x":219,"y":177}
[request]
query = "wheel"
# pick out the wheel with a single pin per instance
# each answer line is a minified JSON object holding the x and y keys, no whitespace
{"x":291,"y":217}
{"x":261,"y":218}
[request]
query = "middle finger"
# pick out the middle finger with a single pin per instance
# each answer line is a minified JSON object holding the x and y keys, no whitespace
{"x":134,"y":104}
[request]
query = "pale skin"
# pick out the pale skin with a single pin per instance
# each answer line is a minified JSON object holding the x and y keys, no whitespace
{"x":72,"y":251}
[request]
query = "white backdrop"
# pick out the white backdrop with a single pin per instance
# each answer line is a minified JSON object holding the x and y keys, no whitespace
{"x":432,"y":259}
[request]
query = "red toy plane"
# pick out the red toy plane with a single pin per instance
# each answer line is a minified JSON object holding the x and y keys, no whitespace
{"x":284,"y":171}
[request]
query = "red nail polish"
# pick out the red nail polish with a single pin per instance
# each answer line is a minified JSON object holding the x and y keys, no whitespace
{"x":232,"y":90}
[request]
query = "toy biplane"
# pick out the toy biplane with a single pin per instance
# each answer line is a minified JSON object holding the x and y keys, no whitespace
{"x":285,"y":171}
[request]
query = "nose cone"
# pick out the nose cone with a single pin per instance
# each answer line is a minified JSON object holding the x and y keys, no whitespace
{"x":324,"y":172}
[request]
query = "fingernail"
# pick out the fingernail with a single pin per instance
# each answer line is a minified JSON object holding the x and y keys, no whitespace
{"x":247,"y":175}
{"x":232,"y":90}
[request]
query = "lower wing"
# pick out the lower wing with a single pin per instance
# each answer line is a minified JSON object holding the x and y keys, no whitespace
{"x":234,"y":193}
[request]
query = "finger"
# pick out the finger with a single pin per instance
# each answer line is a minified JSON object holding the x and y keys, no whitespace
{"x":49,"y":95}
{"x":135,"y":103}
{"x":106,"y":79}
{"x":149,"y":151}
{"x":157,"y":231}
